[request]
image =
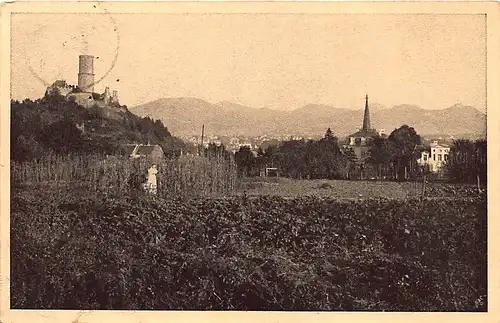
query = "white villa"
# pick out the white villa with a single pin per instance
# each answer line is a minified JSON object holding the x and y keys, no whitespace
{"x":436,"y":157}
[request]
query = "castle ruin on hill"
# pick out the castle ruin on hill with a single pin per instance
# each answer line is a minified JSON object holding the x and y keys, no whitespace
{"x":83,"y":93}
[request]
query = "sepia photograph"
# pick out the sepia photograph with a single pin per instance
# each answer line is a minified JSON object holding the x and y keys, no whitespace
{"x":248,"y":161}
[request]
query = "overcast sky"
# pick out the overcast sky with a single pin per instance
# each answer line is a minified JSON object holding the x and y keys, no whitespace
{"x":275,"y":61}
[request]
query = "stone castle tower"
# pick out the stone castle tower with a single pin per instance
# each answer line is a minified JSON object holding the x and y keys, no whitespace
{"x":86,"y":73}
{"x":86,"y":95}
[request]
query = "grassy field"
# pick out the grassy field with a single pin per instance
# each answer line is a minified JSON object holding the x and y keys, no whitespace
{"x":83,"y":238}
{"x":342,"y":189}
{"x":196,"y":176}
{"x":75,"y":248}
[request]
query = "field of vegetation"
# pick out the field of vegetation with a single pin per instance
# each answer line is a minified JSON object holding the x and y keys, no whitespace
{"x":191,"y":176}
{"x":101,"y":245}
{"x":186,"y":176}
{"x":344,"y":189}
{"x":85,"y":236}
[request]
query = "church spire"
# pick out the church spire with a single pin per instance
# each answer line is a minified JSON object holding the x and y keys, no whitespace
{"x":366,"y":119}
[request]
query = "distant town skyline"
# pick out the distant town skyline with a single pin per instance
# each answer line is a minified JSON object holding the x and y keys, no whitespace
{"x":277,"y":61}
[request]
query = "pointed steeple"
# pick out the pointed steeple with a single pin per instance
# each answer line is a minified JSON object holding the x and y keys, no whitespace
{"x":366,"y":119}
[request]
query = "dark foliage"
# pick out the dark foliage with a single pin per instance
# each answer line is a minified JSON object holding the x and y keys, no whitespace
{"x":49,"y":125}
{"x":392,"y":158}
{"x":381,"y":155}
{"x":245,"y":161}
{"x":62,"y":137}
{"x":311,"y":159}
{"x":404,"y":142}
{"x":396,"y":156}
{"x":467,"y":161}
{"x":216,"y":151}
{"x":99,"y":251}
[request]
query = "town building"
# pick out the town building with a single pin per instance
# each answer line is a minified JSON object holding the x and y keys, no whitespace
{"x":435,"y":157}
{"x":359,"y":142}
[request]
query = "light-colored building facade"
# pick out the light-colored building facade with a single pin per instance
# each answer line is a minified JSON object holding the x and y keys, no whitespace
{"x":436,"y":157}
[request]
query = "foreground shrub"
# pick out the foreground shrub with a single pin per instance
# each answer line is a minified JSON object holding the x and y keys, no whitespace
{"x":111,"y":252}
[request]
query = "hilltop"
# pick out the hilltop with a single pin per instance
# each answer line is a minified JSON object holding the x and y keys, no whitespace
{"x":185,"y":116}
{"x":54,"y":124}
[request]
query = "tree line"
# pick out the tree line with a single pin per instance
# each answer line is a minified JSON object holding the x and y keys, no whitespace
{"x":392,"y":157}
{"x":468,"y":161}
{"x":50,"y":126}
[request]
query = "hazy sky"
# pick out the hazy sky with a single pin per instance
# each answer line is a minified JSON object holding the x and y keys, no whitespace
{"x":272,"y":60}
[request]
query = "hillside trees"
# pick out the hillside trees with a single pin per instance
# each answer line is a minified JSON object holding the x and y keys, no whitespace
{"x":43,"y":126}
{"x":49,"y":125}
{"x":26,"y":148}
{"x":62,"y":137}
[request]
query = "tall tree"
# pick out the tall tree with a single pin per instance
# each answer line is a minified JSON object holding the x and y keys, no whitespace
{"x":381,"y":154}
{"x":291,"y":158}
{"x":349,"y":166}
{"x":404,"y":141}
{"x":245,"y":160}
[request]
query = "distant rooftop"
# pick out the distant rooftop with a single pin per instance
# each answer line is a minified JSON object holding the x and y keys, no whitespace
{"x":365,"y":133}
{"x":145,"y":149}
{"x":436,"y":143}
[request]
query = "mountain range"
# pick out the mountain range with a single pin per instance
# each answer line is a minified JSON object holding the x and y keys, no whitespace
{"x":185,"y":116}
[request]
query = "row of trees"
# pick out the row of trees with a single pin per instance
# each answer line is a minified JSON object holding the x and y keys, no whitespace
{"x":393,"y":157}
{"x":396,"y":156}
{"x":310,"y":159}
{"x":327,"y":158}
{"x":468,"y":161}
{"x":49,"y":125}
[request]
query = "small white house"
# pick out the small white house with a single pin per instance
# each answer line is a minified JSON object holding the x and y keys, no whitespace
{"x":436,"y":157}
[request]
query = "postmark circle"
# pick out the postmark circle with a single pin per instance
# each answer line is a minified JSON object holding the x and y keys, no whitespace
{"x":93,"y":33}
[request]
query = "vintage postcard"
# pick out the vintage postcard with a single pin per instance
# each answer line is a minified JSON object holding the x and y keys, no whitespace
{"x":222,"y":161}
